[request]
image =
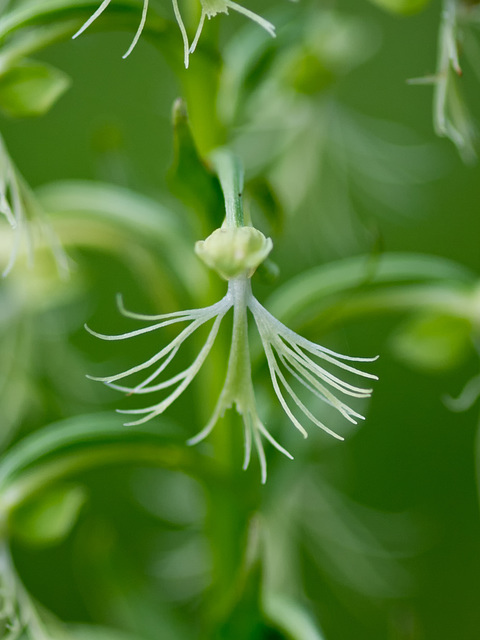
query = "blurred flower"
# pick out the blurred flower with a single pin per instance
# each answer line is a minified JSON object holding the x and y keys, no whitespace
{"x":451,"y":114}
{"x":210,"y":8}
{"x":235,"y":253}
{"x":25,"y":216}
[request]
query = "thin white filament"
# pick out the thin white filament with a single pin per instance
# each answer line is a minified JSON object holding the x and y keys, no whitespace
{"x":92,"y":18}
{"x":268,"y":26}
{"x":158,"y":356}
{"x":21,"y":226}
{"x":303,"y":408}
{"x":183,"y":31}
{"x":326,"y":376}
{"x":321,"y":392}
{"x":138,"y":332}
{"x":15,"y":249}
{"x":164,"y":316}
{"x":198,"y":32}
{"x":192,"y":372}
{"x":142,"y":387}
{"x":315,"y":391}
{"x":325,"y":355}
{"x":298,"y":355}
{"x":247,"y":428}
{"x":208,"y":428}
{"x":6,"y":209}
{"x":261,"y":455}
{"x":294,"y":338}
{"x":273,"y":367}
{"x":203,"y":315}
{"x":272,"y":440}
{"x":137,"y":35}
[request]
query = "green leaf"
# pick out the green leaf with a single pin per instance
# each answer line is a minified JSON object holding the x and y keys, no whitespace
{"x":189,"y":178}
{"x":433,"y":342}
{"x":84,"y":442}
{"x":318,"y":289}
{"x":403,"y":7}
{"x":30,"y":89}
{"x":48,"y":518}
{"x":80,"y":212}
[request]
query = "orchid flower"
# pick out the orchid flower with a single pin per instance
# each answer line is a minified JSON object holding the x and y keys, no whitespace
{"x":209,"y":9}
{"x":234,"y":252}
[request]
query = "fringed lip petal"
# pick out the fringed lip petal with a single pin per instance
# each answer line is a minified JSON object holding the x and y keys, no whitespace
{"x":92,"y":18}
{"x":138,"y":33}
{"x":183,"y":31}
{"x":268,"y":26}
{"x":290,"y":349}
{"x":286,"y":353}
{"x":97,"y":13}
{"x":192,"y":371}
{"x":143,"y":387}
{"x":163,"y":316}
{"x":298,"y":356}
{"x":137,"y":332}
{"x":318,"y":388}
{"x":312,"y":347}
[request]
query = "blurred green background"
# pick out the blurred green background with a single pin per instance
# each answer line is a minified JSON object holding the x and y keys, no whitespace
{"x":385,"y":544}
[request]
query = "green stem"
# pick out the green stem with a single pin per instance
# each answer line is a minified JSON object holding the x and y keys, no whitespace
{"x":232,"y":504}
{"x":230,"y":173}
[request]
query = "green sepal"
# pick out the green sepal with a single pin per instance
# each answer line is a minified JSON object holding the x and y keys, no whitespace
{"x":403,"y":7}
{"x":47,"y":519}
{"x":30,"y":89}
{"x":189,"y":178}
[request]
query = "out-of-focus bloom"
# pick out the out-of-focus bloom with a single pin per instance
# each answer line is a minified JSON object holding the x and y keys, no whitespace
{"x":235,"y":253}
{"x":25,"y":217}
{"x":210,"y":8}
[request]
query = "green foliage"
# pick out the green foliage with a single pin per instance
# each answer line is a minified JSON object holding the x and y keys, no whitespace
{"x":313,"y":139}
{"x":434,"y":342}
{"x":403,"y":7}
{"x":48,"y":519}
{"x":30,"y":89}
{"x":189,"y":177}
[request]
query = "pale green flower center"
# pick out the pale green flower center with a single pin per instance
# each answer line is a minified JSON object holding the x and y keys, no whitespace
{"x":233,"y":252}
{"x":212,"y":7}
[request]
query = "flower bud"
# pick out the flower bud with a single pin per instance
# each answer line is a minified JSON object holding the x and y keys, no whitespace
{"x":212,"y":7}
{"x":233,"y":252}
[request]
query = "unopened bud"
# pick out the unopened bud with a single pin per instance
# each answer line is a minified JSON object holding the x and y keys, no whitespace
{"x":233,"y":252}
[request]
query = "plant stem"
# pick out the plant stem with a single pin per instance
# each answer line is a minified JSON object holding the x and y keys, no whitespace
{"x":230,"y":173}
